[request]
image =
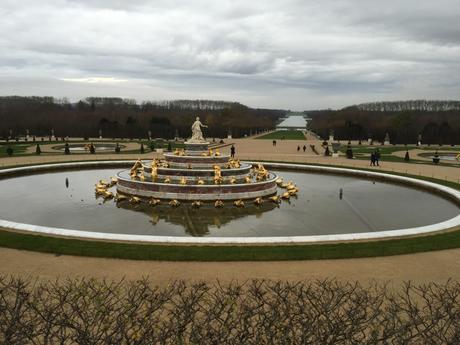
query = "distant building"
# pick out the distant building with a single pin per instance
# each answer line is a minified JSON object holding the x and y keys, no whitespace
{"x":296,"y":122}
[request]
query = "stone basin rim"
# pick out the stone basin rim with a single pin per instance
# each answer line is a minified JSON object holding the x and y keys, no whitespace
{"x":448,"y":192}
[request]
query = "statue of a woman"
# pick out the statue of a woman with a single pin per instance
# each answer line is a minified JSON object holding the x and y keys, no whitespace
{"x":197,"y":135}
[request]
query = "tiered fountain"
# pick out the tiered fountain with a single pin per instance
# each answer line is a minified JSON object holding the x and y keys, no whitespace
{"x":198,"y":174}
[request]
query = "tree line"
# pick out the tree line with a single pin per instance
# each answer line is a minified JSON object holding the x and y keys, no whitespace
{"x":90,"y":311}
{"x":404,"y":127}
{"x":125,"y":118}
{"x":410,"y":105}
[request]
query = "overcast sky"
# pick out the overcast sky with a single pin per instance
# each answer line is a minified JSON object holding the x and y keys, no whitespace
{"x":292,"y":54}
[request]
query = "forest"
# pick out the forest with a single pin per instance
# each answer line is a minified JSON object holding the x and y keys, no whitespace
{"x":437,"y":122}
{"x":125,"y":118}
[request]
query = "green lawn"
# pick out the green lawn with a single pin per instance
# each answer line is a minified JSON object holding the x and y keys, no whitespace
{"x":228,"y":253}
{"x":363,"y":153}
{"x":288,"y":135}
{"x":18,"y":149}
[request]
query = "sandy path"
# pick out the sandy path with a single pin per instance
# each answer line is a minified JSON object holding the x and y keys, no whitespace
{"x":286,"y":150}
{"x":422,"y":267}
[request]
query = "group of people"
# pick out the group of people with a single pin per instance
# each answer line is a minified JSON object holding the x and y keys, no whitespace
{"x":298,"y":148}
{"x":375,"y":158}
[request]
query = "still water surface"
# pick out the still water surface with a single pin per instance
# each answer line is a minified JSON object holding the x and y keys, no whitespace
{"x":44,"y":199}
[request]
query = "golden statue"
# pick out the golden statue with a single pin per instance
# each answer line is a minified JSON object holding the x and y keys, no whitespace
{"x":284,"y":184}
{"x":154,"y":202}
{"x":174,"y":203}
{"x":217,"y":153}
{"x":136,"y":167}
{"x":219,"y":203}
{"x":120,"y":197}
{"x":135,"y":200}
{"x":238,"y":203}
{"x":100,"y":191}
{"x":100,"y":186}
{"x":183,"y":180}
{"x":286,"y":195}
{"x":217,"y":175}
{"x":275,"y":199}
{"x":107,"y":195}
{"x":258,"y":201}
{"x":200,"y":181}
{"x":196,"y":204}
{"x":234,"y":163}
{"x":262,"y":173}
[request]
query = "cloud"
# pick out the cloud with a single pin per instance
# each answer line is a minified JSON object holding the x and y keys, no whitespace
{"x":296,"y":54}
{"x":95,"y":80}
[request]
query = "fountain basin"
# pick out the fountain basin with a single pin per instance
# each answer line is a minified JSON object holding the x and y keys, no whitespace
{"x":195,"y":192}
{"x":80,"y":148}
{"x":375,"y":206}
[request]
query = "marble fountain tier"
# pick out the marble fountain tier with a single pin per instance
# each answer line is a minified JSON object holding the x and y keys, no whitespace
{"x":197,"y":173}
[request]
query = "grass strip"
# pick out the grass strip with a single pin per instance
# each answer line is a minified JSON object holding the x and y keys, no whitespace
{"x":79,"y":247}
{"x":281,"y":135}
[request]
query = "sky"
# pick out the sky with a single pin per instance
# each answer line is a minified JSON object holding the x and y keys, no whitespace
{"x":290,"y":54}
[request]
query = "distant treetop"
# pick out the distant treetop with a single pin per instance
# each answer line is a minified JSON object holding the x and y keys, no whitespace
{"x":411,"y":105}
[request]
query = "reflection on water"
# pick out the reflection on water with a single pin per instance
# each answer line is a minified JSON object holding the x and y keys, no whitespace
{"x":326,"y":204}
{"x":197,"y":221}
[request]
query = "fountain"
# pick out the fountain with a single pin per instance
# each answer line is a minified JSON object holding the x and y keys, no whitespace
{"x":201,"y":195}
{"x":199,"y":173}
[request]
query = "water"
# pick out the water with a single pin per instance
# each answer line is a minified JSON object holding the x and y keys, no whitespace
{"x":447,"y":157}
{"x":85,"y":147}
{"x":326,"y":204}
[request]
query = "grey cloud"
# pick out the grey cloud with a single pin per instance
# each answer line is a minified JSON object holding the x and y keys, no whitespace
{"x":309,"y":52}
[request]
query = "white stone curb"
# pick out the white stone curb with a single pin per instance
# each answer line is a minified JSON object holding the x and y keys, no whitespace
{"x":451,"y":193}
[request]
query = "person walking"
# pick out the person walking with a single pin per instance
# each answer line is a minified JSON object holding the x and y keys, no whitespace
{"x":274,"y":142}
{"x":373,"y":159}
{"x":232,"y":151}
{"x":377,"y":157}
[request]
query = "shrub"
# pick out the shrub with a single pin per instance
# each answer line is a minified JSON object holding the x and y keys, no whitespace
{"x":91,"y":311}
{"x":66,"y":149}
{"x":349,"y":152}
{"x":406,"y":157}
